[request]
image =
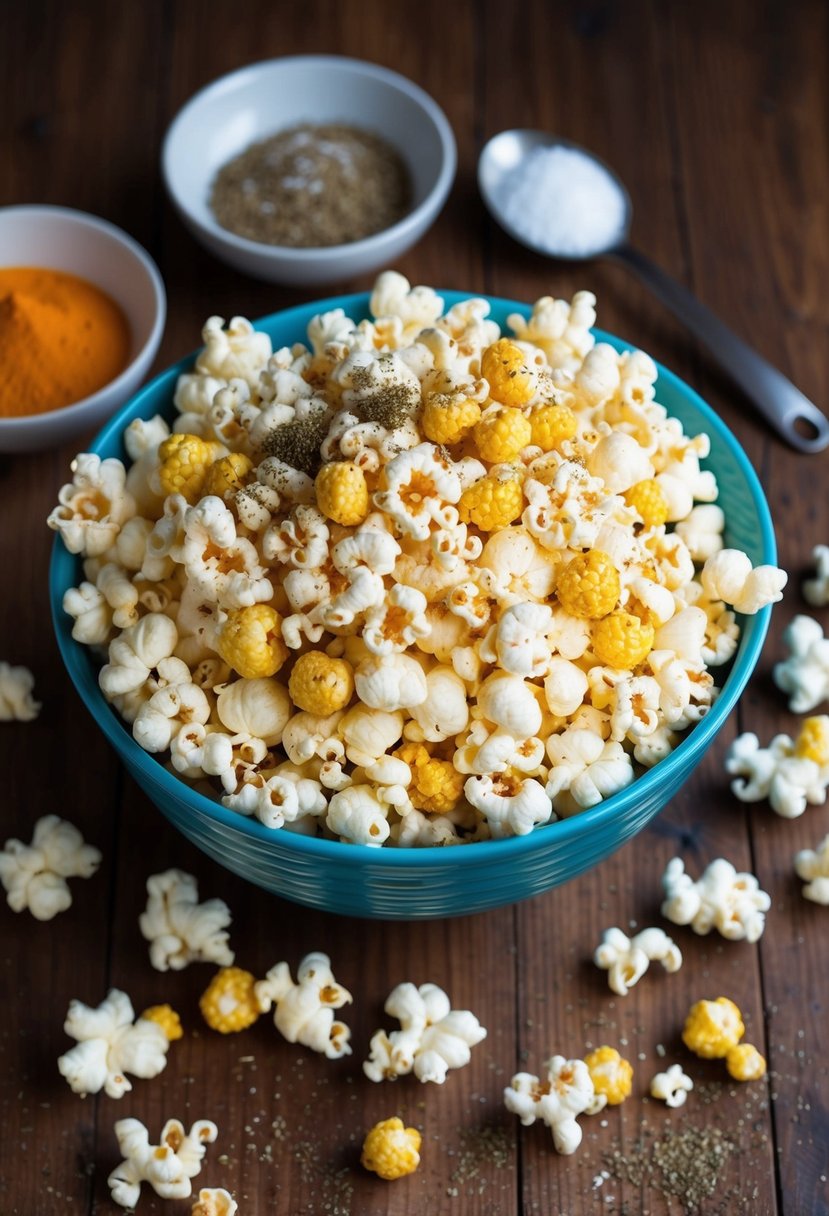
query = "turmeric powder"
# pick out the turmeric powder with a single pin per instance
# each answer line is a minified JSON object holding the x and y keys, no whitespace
{"x":61,"y":339}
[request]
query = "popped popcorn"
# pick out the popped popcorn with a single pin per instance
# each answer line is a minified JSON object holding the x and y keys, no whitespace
{"x":34,"y":876}
{"x":229,"y":1002}
{"x":672,"y":1086}
{"x":412,"y":529}
{"x":433,"y":1037}
{"x":812,"y":865}
{"x":214,"y":1201}
{"x":720,"y":899}
{"x":391,"y":1150}
{"x":179,"y":929}
{"x":16,"y":686}
{"x":712,"y":1028}
{"x":816,"y":590}
{"x":167,"y":1166}
{"x":626,"y":959}
{"x":304,"y":1011}
{"x":804,"y":675}
{"x":611,"y":1075}
{"x":110,"y":1043}
{"x":745,"y":1063}
{"x":566,"y":1092}
{"x":780,"y":772}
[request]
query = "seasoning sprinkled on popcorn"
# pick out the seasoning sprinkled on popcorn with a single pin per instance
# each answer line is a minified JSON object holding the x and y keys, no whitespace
{"x":413,"y":581}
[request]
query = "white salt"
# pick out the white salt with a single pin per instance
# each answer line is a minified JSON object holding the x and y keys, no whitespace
{"x":561,"y":201}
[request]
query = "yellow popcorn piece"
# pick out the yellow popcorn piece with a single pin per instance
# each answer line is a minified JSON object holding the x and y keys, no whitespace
{"x":446,"y":419}
{"x":712,"y":1028}
{"x":551,"y":425}
{"x":167,"y":1018}
{"x":229,"y":1003}
{"x":621,"y":640}
{"x":251,"y":641}
{"x":813,"y":741}
{"x":745,"y":1063}
{"x":647,"y":499}
{"x":501,"y":434}
{"x":321,"y":685}
{"x":610,"y":1073}
{"x":184,"y":463}
{"x":493,"y":502}
{"x":342,"y":493}
{"x":504,"y":366}
{"x":437,"y":786}
{"x":588,"y":586}
{"x":391,"y":1150}
{"x":228,"y":474}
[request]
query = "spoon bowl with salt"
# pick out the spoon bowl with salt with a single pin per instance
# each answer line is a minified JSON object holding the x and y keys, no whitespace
{"x":563,"y":202}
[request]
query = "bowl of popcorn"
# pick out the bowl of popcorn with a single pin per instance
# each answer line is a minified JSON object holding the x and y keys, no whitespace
{"x":309,"y":169}
{"x":410,"y":604}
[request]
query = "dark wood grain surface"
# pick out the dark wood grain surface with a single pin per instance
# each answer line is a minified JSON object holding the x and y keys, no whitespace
{"x":715,"y":115}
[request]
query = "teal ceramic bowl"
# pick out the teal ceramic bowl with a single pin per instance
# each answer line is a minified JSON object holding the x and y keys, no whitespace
{"x":424,"y":883}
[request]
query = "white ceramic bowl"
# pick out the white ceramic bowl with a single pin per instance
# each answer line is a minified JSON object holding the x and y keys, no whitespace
{"x":83,"y":245}
{"x":257,"y":101}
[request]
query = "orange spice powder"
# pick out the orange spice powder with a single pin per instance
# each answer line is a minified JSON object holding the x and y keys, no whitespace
{"x":61,"y":339}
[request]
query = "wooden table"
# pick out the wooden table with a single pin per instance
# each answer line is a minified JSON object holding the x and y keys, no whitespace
{"x":715,"y":116}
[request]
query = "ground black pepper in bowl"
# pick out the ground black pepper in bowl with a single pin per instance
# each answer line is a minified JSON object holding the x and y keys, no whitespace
{"x":312,"y":187}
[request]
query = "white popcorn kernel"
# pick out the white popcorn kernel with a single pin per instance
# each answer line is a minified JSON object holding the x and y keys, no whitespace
{"x":179,"y":929}
{"x":521,"y":644}
{"x":816,"y":590}
{"x":393,"y":296}
{"x":34,"y":876}
{"x":683,"y":634}
{"x":620,"y":462}
{"x":522,"y":570}
{"x":92,"y":508}
{"x":804,"y":675}
{"x":110,"y":1043}
{"x":728,"y":575}
{"x":433,"y":1038}
{"x":702,"y":530}
{"x":812,"y":865}
{"x":238,"y":351}
{"x":179,"y":703}
{"x":257,"y":707}
{"x":419,"y":485}
{"x":558,"y":1100}
{"x":508,"y":701}
{"x":445,"y":710}
{"x":671,"y":1087}
{"x":304,"y":1011}
{"x":627,"y":959}
{"x":560,"y":329}
{"x":775,"y":772}
{"x":356,"y":814}
{"x":721,"y":899}
{"x":512,"y":803}
{"x":16,"y":701}
{"x":585,"y":770}
{"x":136,"y":652}
{"x":214,"y":1201}
{"x":391,"y":682}
{"x":565,"y":687}
{"x":90,"y":612}
{"x":284,"y":798}
{"x":369,"y":733}
{"x":397,"y":623}
{"x":167,"y":1166}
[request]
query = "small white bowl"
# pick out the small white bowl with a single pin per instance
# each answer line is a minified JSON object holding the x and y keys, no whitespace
{"x":249,"y":105}
{"x":57,"y":238}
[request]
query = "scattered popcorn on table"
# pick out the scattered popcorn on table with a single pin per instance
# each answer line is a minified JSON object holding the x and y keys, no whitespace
{"x":214,"y":1201}
{"x":745,"y":1063}
{"x":671,"y":1087}
{"x":805,"y":674}
{"x":34,"y":876}
{"x":415,"y":529}
{"x":791,"y":773}
{"x":626,"y":959}
{"x":611,"y":1075}
{"x":558,"y":1100}
{"x":111,"y":1042}
{"x":816,"y":590}
{"x":16,"y":701}
{"x":812,"y":865}
{"x":433,"y":1037}
{"x":167,"y":1166}
{"x":391,"y":1150}
{"x":304,"y":1011}
{"x":721,"y":899}
{"x":712,"y":1028}
{"x":229,"y":1003}
{"x":179,"y":929}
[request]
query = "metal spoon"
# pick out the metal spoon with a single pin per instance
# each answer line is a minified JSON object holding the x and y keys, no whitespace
{"x":596,"y":199}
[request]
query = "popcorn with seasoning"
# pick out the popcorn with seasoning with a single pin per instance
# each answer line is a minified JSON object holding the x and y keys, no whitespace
{"x":414,"y":527}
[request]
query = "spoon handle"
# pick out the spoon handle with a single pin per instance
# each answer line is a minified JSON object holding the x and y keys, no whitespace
{"x":791,"y":414}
